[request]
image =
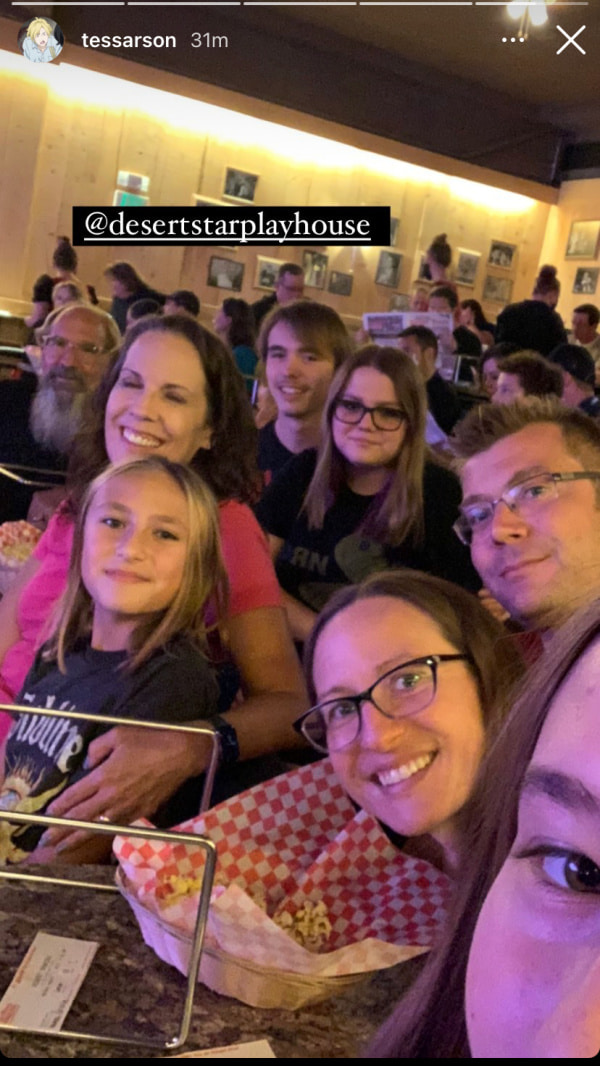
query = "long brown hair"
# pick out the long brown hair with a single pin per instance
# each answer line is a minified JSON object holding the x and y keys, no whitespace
{"x":204,"y":576}
{"x":229,"y":467}
{"x":430,"y":1021}
{"x":396,"y":514}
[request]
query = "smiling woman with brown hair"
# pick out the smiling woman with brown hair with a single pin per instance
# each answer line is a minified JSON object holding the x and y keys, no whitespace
{"x":367,"y":499}
{"x":527,"y":913}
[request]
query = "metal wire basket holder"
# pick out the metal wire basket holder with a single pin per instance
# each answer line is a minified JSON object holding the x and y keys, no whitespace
{"x":174,"y":1042}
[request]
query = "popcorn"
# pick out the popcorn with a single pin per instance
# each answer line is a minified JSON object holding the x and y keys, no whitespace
{"x":309,"y":926}
{"x":17,"y":541}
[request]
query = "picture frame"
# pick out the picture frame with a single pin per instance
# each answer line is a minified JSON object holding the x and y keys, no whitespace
{"x":584,"y":238}
{"x":497,"y":290}
{"x":502,"y":255}
{"x":585,"y":281}
{"x":466,"y":267}
{"x":139,"y":183}
{"x":388,"y":269}
{"x":225,"y":273}
{"x":314,"y":265}
{"x":239,"y":185}
{"x":400,"y":301}
{"x":394,"y":227}
{"x":266,"y":271}
{"x":340,"y":284}
{"x":423,"y":273}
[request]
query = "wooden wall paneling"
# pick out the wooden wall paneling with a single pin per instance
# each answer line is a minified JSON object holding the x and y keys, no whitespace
{"x":21,"y":123}
{"x":102,"y":164}
{"x":578,"y":201}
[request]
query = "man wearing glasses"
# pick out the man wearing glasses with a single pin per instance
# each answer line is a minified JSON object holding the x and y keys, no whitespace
{"x":39,"y":427}
{"x":288,"y":287}
{"x":531,"y":508}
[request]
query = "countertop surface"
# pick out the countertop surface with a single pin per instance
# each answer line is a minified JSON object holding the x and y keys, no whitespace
{"x":128,"y":989}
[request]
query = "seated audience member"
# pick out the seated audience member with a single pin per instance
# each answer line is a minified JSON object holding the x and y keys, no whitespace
{"x":182,"y":302}
{"x":367,"y":500}
{"x":288,"y":288}
{"x":127,"y":287}
{"x":525,"y":374}
{"x":438,"y":258}
{"x":140,"y":309}
{"x":67,"y":292}
{"x":138,"y":411}
{"x":517,"y":975}
{"x":64,"y":267}
{"x":234,"y":324}
{"x":419,"y":300}
{"x":534,"y":324}
{"x":443,"y":404}
{"x":585,"y":331}
{"x":408,"y":674}
{"x":471,"y":315}
{"x":301,"y":346}
{"x":579,"y":374}
{"x":445,"y":300}
{"x":489,"y":372}
{"x":118,"y":649}
{"x":531,"y":507}
{"x":41,"y":415}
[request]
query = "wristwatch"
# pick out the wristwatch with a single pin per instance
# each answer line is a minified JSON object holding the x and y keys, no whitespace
{"x":228,"y":741}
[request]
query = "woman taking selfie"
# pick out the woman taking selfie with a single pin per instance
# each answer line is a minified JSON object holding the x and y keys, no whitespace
{"x":367,"y":499}
{"x":174,"y":391}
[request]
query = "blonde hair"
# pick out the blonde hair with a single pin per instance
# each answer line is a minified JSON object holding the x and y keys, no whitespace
{"x":396,"y":514}
{"x":204,"y":576}
{"x":39,"y":24}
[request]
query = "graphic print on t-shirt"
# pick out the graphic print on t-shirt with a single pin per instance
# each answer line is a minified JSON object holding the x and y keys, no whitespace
{"x":41,"y":754}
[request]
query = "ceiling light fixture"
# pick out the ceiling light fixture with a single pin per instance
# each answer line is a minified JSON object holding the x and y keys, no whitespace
{"x":528,"y":12}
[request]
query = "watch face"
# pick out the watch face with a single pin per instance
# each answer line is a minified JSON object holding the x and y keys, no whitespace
{"x":230,"y":749}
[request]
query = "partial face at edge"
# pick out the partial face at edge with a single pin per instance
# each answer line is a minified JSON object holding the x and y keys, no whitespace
{"x":540,"y":924}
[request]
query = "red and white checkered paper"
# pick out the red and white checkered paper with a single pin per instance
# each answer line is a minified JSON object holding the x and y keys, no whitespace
{"x":296,"y":838}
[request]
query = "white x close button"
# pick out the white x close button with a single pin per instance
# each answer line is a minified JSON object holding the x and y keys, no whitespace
{"x":571,"y":40}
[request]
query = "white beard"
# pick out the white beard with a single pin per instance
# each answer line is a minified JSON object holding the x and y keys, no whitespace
{"x":53,"y":424}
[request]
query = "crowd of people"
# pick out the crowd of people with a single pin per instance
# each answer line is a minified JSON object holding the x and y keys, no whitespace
{"x":317,"y":547}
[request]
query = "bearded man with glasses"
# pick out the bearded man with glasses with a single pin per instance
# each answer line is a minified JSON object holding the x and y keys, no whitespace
{"x":531,"y":508}
{"x":39,"y":425}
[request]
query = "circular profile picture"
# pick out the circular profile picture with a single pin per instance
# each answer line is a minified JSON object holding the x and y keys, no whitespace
{"x":41,"y":40}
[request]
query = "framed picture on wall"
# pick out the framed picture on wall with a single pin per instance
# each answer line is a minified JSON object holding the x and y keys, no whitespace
{"x":466,"y":267}
{"x":225,"y":274}
{"x":133,"y":182}
{"x":239,"y":185}
{"x":502,"y":254}
{"x":583,"y":240}
{"x":266,"y":273}
{"x":340,"y":284}
{"x":394,"y":225}
{"x":388,"y":269}
{"x":497,"y":290}
{"x":586,"y":280}
{"x":400,"y":301}
{"x":424,"y":273}
{"x":314,"y":265}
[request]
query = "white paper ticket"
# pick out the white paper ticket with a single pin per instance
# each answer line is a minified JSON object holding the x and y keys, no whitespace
{"x":254,"y":1049}
{"x":44,"y":987}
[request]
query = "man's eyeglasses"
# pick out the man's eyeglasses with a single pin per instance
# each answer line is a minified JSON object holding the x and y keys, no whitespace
{"x":353,"y":411}
{"x":522,"y":499}
{"x":399,"y":693}
{"x":58,"y":345}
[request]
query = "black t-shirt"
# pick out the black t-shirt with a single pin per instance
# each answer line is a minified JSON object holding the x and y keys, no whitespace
{"x":314,"y":563}
{"x":272,"y":454}
{"x":45,"y":755}
{"x":467,"y":342}
{"x":18,"y":447}
{"x":261,"y":308}
{"x":531,"y":324}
